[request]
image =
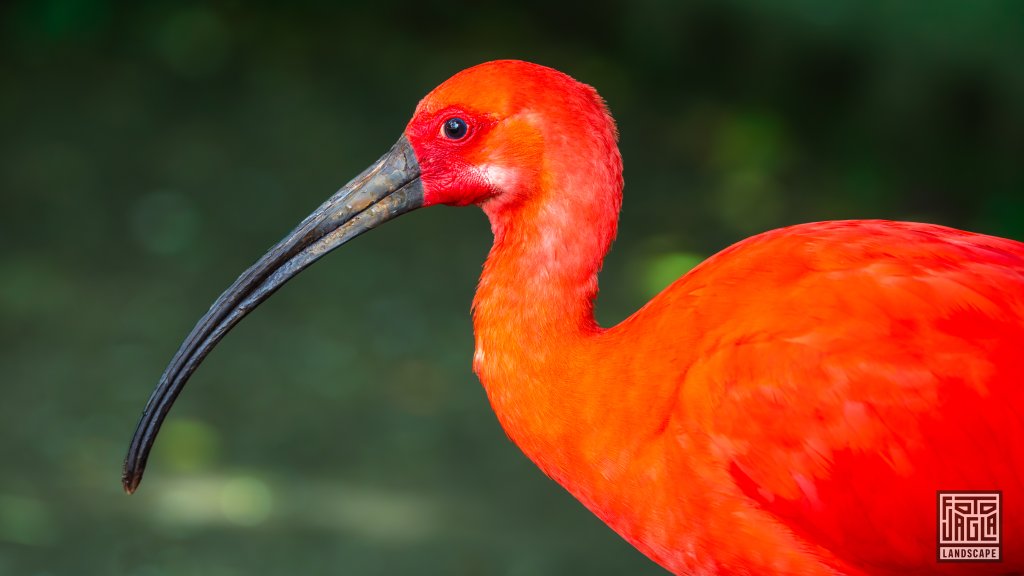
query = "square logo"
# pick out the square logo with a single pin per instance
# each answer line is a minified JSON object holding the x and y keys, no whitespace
{"x":969,"y":526}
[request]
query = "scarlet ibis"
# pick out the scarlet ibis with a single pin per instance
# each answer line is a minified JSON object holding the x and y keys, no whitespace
{"x":793,"y":405}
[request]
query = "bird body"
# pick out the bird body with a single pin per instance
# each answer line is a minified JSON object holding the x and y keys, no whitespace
{"x":790,"y":406}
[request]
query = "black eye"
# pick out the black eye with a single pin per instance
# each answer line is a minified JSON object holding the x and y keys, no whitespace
{"x":455,"y":128}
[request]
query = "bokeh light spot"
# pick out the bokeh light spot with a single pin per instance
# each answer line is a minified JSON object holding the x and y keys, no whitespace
{"x":749,"y":202}
{"x":188,"y":445}
{"x":663,"y":269}
{"x":246,"y":501}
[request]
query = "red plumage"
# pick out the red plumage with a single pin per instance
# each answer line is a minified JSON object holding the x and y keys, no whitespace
{"x":790,"y":406}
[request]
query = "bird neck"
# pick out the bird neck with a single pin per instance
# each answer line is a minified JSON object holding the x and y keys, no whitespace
{"x":533,"y":311}
{"x":538,"y":283}
{"x":551,"y":235}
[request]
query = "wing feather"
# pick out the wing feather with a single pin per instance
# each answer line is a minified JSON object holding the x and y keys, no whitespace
{"x":848,"y":372}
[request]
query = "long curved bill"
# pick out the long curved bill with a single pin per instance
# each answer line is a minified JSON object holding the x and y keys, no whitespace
{"x":389,"y":188}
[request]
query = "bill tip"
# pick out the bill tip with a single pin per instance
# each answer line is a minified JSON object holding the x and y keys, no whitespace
{"x":130,"y":483}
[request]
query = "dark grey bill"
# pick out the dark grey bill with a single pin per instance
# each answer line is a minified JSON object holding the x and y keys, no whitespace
{"x":389,"y":188}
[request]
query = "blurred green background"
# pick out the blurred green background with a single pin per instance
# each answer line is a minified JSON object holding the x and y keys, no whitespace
{"x":152,"y":150}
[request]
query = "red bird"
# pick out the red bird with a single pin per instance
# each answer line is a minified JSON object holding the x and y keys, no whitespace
{"x":793,"y":405}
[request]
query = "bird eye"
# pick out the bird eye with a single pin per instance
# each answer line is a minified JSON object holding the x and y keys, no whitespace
{"x":455,"y":128}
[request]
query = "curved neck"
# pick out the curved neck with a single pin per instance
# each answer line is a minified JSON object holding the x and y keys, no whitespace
{"x":534,"y":305}
{"x":540,"y":278}
{"x":551,"y":236}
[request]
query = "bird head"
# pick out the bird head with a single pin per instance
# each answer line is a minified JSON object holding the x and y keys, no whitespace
{"x":490,"y":136}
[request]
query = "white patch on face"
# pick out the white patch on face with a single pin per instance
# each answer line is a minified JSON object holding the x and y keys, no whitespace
{"x":499,"y":177}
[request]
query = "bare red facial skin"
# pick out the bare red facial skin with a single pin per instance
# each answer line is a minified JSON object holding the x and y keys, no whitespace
{"x":447,"y":168}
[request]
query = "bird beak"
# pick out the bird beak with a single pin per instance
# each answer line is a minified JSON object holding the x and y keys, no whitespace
{"x":389,"y":188}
